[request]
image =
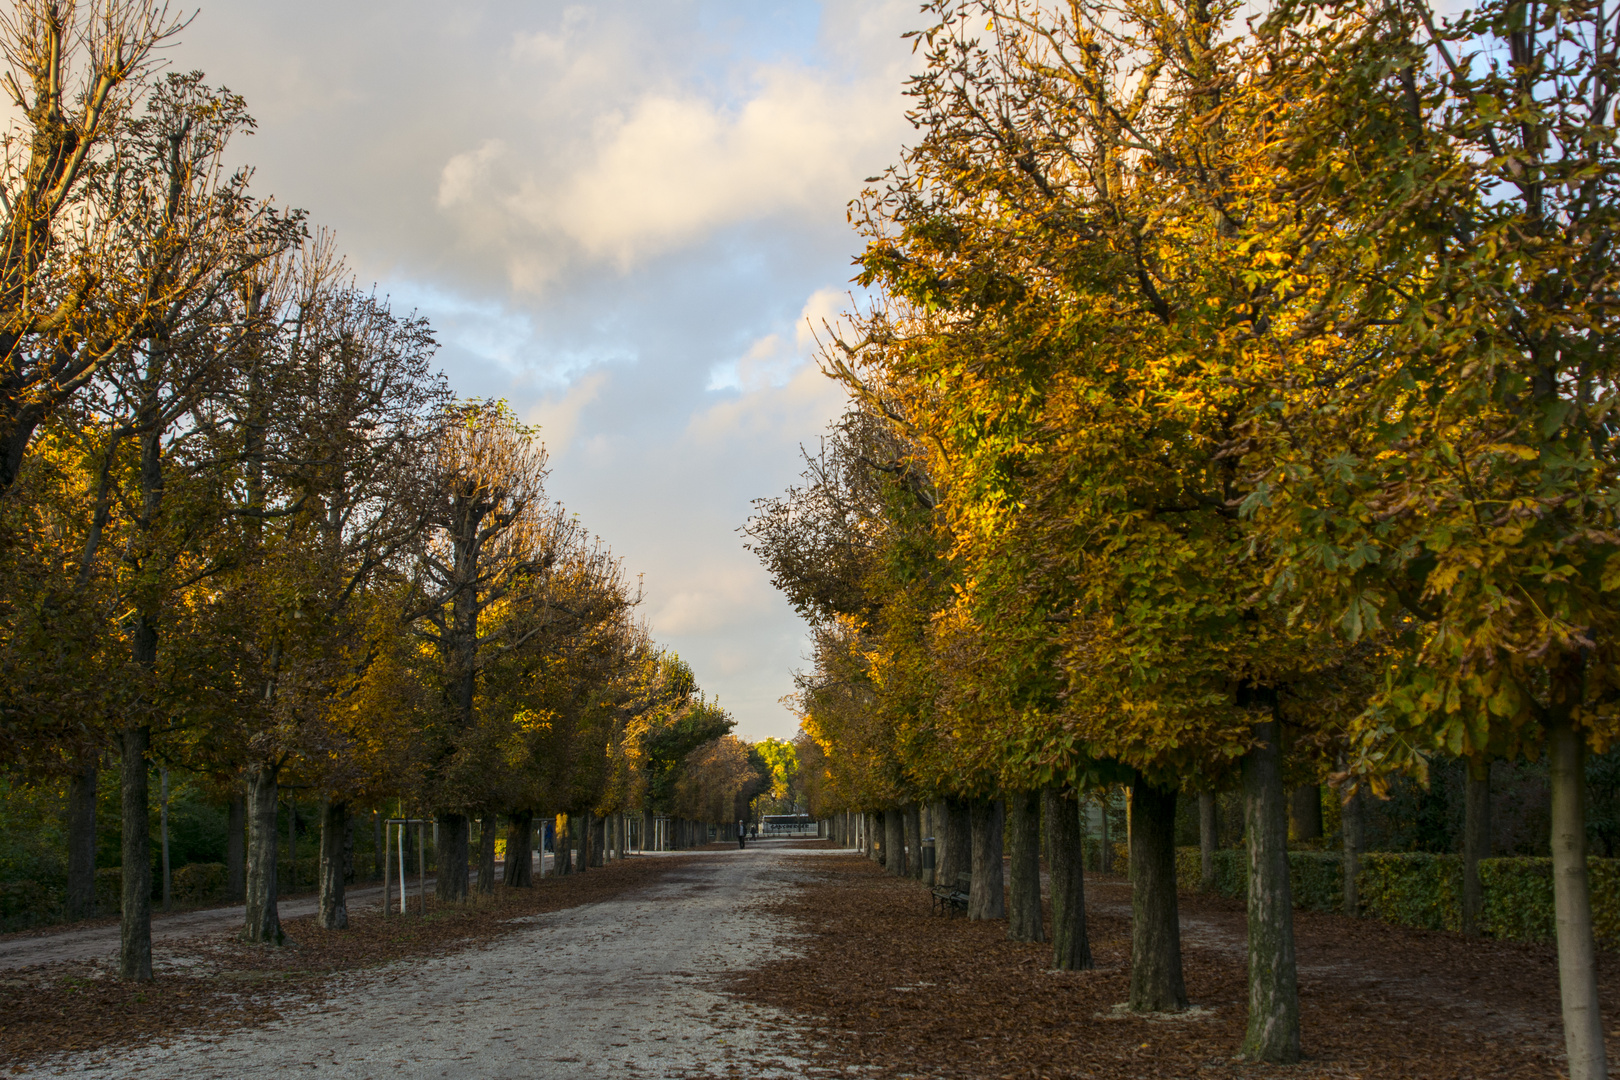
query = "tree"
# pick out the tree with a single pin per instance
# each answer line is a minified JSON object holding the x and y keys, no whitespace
{"x":1442,"y":462}
{"x":75,"y":72}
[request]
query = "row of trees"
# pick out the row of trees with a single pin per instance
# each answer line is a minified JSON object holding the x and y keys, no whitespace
{"x":246,"y":529}
{"x":1235,"y":411}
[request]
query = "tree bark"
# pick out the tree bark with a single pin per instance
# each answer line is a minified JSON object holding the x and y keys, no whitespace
{"x":1065,"y":856}
{"x":263,"y":922}
{"x":1305,"y":813}
{"x":1024,"y":903}
{"x":1156,"y":979}
{"x":562,"y":841}
{"x":519,"y":870}
{"x":1476,"y":843}
{"x":1209,"y":830}
{"x":1572,"y":902}
{"x":922,"y":814}
{"x":598,"y":840}
{"x":81,"y":838}
{"x":955,"y":853}
{"x":486,"y":855}
{"x":1273,"y":1030}
{"x":334,"y":909}
{"x":236,"y":846}
{"x":987,"y":898}
{"x":894,"y":842}
{"x":1351,"y":828}
{"x":451,"y":883}
{"x":913,"y":823}
{"x":135,"y":929}
{"x":582,"y":837}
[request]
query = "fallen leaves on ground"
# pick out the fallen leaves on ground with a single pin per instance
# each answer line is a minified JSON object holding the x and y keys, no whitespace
{"x":58,"y":1008}
{"x":881,"y":986}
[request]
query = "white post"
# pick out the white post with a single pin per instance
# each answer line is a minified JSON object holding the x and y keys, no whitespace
{"x":402,"y":889}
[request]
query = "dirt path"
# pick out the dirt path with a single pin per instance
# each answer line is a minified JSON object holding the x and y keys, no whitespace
{"x":617,"y":988}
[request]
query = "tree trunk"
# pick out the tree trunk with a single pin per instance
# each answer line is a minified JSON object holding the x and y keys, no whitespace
{"x":582,"y":837}
{"x":486,"y":855}
{"x":334,"y":909}
{"x":1065,"y":855}
{"x":1476,"y":843}
{"x":451,"y":884}
{"x":1572,"y":902}
{"x":1209,"y":830}
{"x":987,"y":898}
{"x":236,"y":846}
{"x":263,"y":922}
{"x":1273,"y":1031}
{"x":135,"y":931}
{"x":562,"y":840}
{"x":598,"y":840}
{"x":1024,"y":906}
{"x":1156,"y":980}
{"x":894,"y":841}
{"x":1305,"y":813}
{"x":922,"y":817}
{"x":81,"y":838}
{"x":913,"y":820}
{"x":956,"y":850}
{"x":1351,"y":827}
{"x":519,"y":870}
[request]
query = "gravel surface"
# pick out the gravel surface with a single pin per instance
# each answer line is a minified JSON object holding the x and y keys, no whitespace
{"x":619,"y":988}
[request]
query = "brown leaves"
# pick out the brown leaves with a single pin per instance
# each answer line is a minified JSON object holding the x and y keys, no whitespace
{"x":882,"y":986}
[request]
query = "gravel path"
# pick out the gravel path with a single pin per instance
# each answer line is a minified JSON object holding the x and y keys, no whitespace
{"x":619,"y":988}
{"x":100,"y":943}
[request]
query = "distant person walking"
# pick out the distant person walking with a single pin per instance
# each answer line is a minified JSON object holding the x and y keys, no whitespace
{"x":742,"y":832}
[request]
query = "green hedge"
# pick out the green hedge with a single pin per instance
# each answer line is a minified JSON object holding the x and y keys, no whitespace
{"x":1412,"y":889}
{"x":1314,"y":877}
{"x":1425,"y":891}
{"x":1519,"y":899}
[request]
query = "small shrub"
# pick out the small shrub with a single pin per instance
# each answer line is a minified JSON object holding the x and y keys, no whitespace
{"x":199,"y":884}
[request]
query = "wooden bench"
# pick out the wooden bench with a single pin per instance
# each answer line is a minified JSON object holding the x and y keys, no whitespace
{"x":948,"y":898}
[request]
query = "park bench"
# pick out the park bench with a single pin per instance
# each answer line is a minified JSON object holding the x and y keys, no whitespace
{"x":949,"y":898}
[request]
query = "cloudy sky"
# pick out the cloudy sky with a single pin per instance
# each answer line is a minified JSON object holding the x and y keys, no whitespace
{"x":623,"y":218}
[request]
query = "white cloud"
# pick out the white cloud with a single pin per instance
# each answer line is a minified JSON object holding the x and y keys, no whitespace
{"x":593,"y":202}
{"x":559,"y":416}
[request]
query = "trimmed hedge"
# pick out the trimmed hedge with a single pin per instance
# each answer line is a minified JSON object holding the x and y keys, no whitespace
{"x":1412,"y":889}
{"x":1519,"y":899}
{"x":1314,"y":877}
{"x":1424,"y":890}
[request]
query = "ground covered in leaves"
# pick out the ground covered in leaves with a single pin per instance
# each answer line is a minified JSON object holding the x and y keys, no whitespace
{"x":882,"y":988}
{"x":221,"y":984}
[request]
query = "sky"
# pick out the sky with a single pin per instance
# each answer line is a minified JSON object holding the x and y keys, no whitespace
{"x":625,"y":219}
